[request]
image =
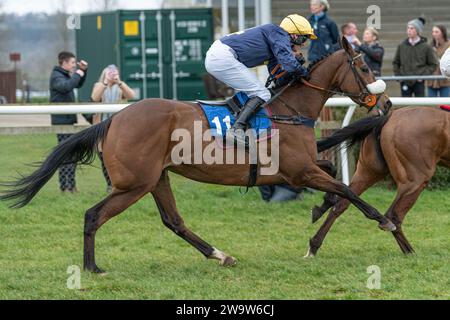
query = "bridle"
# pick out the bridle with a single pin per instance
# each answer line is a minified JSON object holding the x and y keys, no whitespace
{"x":364,"y":98}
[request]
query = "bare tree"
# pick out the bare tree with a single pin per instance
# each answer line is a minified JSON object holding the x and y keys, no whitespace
{"x":3,"y":36}
{"x":1,"y":20}
{"x":65,"y":24}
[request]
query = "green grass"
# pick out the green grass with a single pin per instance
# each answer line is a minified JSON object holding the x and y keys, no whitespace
{"x":145,"y":260}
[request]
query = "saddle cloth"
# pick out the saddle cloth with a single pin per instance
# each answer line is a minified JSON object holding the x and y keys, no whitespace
{"x":221,"y":117}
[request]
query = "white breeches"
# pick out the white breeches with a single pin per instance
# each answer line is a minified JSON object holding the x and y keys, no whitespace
{"x":221,"y":63}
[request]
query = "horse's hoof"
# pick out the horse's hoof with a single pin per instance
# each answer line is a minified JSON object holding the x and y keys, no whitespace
{"x":387,"y":226}
{"x":316,"y":214}
{"x":309,"y":254}
{"x":96,"y":270}
{"x":228,"y":262}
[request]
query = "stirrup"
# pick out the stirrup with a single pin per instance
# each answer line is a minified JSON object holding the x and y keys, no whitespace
{"x":247,"y":111}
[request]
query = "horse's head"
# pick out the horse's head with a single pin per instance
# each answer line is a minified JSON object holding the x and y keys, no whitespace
{"x":356,"y":80}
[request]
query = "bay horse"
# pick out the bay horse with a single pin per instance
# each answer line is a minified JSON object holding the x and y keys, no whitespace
{"x":136,"y":145}
{"x":408,"y":145}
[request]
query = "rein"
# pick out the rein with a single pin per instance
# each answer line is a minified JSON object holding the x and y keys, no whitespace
{"x":293,"y":120}
{"x":364,"y":98}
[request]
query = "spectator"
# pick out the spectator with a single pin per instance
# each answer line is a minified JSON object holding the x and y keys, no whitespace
{"x":414,"y":57}
{"x":373,"y":52}
{"x":350,"y":31}
{"x":445,"y":64}
{"x":110,"y":89}
{"x":325,"y":29}
{"x":440,"y":43}
{"x":280,"y":193}
{"x":64,"y":79}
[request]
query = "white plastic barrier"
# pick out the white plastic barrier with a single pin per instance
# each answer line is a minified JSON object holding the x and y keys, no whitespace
{"x":62,"y":108}
{"x":112,"y":108}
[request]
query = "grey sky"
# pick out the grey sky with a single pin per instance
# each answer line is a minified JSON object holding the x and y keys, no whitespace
{"x":75,"y":6}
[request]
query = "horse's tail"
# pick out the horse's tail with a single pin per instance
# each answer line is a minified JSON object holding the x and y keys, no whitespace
{"x":79,"y":148}
{"x":354,"y":133}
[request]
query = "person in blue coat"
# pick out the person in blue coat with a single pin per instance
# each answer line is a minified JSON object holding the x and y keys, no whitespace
{"x":230,"y":58}
{"x":325,"y":29}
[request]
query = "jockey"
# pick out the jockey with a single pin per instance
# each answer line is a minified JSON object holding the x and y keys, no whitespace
{"x":230,"y":58}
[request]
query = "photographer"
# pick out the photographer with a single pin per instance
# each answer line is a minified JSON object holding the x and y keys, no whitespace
{"x":110,"y":89}
{"x":373,"y":51}
{"x":64,"y":79}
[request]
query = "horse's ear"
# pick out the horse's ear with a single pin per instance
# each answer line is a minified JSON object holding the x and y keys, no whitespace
{"x":347,"y":46}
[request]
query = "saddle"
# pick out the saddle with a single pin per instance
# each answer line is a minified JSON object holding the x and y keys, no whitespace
{"x":221,"y":116}
{"x":233,"y":104}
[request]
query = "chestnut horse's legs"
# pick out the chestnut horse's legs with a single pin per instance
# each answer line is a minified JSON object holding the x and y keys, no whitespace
{"x":362,"y":180}
{"x":328,"y":167}
{"x":329,"y":199}
{"x":403,"y":243}
{"x":171,"y":218}
{"x":406,"y":198}
{"x":318,"y":179}
{"x":98,"y":215}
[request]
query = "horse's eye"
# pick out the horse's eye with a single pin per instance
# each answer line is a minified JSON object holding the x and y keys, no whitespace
{"x":365,"y":69}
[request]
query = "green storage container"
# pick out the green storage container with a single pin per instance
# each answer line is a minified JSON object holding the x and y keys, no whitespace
{"x":160,"y":53}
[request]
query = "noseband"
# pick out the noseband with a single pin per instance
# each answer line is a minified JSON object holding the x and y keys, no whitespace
{"x":364,"y":98}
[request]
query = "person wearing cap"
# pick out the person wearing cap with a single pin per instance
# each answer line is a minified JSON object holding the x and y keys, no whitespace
{"x":414,"y":57}
{"x":230,"y":58}
{"x":325,"y":29}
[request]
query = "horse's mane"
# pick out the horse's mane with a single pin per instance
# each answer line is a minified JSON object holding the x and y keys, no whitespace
{"x":312,"y":65}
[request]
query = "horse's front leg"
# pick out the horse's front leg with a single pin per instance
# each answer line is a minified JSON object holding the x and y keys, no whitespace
{"x":314,"y":177}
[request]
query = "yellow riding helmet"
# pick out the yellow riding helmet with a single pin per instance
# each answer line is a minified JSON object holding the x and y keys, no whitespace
{"x":296,"y":24}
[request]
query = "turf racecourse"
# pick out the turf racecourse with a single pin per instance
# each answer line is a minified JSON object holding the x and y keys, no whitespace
{"x":145,"y":260}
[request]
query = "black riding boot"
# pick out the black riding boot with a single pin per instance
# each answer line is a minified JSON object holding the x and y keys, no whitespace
{"x":252,"y":106}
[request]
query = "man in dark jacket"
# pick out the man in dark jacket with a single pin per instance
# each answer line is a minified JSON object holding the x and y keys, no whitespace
{"x":63,"y":80}
{"x":414,"y":57}
{"x":326,"y":30}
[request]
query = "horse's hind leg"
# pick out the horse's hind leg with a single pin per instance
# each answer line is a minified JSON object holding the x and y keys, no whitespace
{"x":171,"y":218}
{"x":363,"y":179}
{"x":98,"y":215}
{"x":406,"y":198}
{"x":329,"y":199}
